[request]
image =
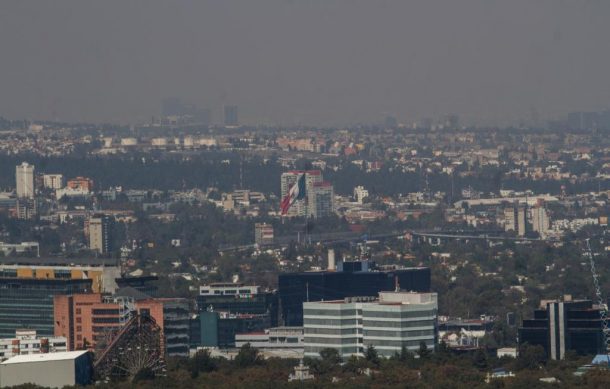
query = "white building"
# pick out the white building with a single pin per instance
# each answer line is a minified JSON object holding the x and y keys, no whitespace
{"x":273,"y":338}
{"x":26,"y":342}
{"x":360,"y":194}
{"x":540,"y":221}
{"x":52,"y":370}
{"x":388,"y":323}
{"x":228,"y":289}
{"x":53,"y":181}
{"x":290,"y":178}
{"x":24,"y":177}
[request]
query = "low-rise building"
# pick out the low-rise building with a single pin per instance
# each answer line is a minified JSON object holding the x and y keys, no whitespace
{"x":27,"y":342}
{"x":53,"y":370}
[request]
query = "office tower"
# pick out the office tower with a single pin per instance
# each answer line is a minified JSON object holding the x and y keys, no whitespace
{"x":359,"y":278}
{"x":99,"y":233}
{"x":263,"y":234}
{"x":394,"y":321}
{"x":87,"y":319}
{"x":563,"y":325}
{"x":540,"y":220}
{"x":27,"y":303}
{"x":24,"y":177}
{"x":230,"y":116}
{"x":299,"y":208}
{"x":321,"y":200}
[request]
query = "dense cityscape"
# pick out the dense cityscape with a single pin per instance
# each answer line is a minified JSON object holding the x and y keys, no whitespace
{"x":304,"y":194}
{"x":330,"y":255}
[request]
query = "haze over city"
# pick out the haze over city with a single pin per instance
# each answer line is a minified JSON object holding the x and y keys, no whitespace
{"x":287,"y":62}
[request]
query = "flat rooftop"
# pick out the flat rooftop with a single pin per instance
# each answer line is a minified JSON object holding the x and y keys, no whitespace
{"x":58,"y":261}
{"x":59,"y":356}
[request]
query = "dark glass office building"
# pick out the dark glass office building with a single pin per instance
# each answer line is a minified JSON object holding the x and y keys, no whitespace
{"x":560,"y":326}
{"x":257,"y":304}
{"x":27,"y":303}
{"x":360,"y":278}
{"x":214,"y":329}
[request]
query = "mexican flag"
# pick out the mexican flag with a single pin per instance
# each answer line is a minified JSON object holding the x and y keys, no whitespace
{"x":296,"y":192}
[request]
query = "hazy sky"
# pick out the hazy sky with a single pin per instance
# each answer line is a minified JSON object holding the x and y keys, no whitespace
{"x":305,"y":61}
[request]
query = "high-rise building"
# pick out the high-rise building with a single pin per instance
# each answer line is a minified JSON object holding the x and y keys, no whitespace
{"x":299,"y":208}
{"x":230,"y":115}
{"x":87,"y":319}
{"x":515,"y":219}
{"x":24,"y":177}
{"x":27,"y":303}
{"x":99,"y":233}
{"x":394,"y":321}
{"x":321,"y":200}
{"x":540,"y":220}
{"x":563,"y":325}
{"x":359,"y":278}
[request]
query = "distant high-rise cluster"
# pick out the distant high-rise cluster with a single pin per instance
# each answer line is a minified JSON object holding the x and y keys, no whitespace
{"x":231,"y":118}
{"x":319,"y":194}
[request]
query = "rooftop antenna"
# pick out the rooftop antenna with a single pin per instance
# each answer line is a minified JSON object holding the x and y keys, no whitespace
{"x":603,"y":309}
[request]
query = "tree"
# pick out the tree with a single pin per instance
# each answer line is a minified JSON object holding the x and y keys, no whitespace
{"x":201,"y":362}
{"x":371,"y":355}
{"x":247,"y":356}
{"x":423,"y":352}
{"x":530,"y":357}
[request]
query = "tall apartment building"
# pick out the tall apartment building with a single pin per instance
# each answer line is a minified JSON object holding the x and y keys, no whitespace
{"x":394,"y":321}
{"x":515,"y":219}
{"x":26,"y":342}
{"x":300,"y":207}
{"x":99,"y":233}
{"x":24,"y":177}
{"x":540,"y":220}
{"x":321,"y":200}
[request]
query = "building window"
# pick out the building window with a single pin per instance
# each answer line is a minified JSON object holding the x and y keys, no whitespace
{"x":79,"y":320}
{"x":78,"y":311}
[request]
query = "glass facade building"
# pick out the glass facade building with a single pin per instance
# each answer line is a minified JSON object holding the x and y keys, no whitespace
{"x":27,"y":303}
{"x":296,"y":288}
{"x":559,"y":326}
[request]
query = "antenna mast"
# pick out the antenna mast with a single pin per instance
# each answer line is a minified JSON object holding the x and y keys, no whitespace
{"x":603,"y":309}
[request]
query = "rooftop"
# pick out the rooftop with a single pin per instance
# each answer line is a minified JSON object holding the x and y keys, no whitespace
{"x":59,"y":356}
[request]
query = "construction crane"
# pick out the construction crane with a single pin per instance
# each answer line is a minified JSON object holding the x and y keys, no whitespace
{"x":603,"y":308}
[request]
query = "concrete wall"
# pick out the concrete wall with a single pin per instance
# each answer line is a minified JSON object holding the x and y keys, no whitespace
{"x":53,"y":374}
